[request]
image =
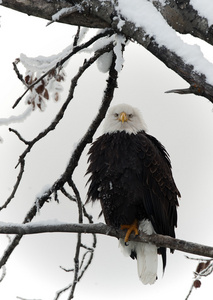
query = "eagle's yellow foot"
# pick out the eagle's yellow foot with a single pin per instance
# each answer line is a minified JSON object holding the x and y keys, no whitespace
{"x":131,"y":227}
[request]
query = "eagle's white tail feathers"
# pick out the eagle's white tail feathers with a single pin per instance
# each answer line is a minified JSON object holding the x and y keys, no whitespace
{"x":147,"y":262}
{"x":147,"y":259}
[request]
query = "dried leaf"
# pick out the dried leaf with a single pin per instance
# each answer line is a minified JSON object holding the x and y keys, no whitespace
{"x":197,"y":283}
{"x":56,"y":96}
{"x":46,"y":94}
{"x":28,"y":79}
{"x":202,"y":266}
{"x":41,"y":87}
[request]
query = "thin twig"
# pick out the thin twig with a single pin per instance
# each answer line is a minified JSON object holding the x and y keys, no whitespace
{"x":76,"y":38}
{"x":67,"y":195}
{"x":180,"y":91}
{"x":190,"y":291}
{"x":3,"y":273}
{"x":87,"y":264}
{"x":19,"y":75}
{"x":58,"y":293}
{"x":18,"y":180}
{"x":19,"y":136}
{"x":78,"y":200}
{"x":78,"y":244}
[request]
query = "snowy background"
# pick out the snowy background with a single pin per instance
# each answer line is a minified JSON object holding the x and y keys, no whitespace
{"x":184,"y":124}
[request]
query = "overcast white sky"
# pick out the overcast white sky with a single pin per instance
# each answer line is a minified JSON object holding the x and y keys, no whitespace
{"x":184,"y":124}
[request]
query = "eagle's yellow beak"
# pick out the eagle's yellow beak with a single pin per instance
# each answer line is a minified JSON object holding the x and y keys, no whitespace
{"x":123,"y":117}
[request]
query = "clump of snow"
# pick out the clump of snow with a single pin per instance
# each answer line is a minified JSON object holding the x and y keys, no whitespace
{"x":44,"y":63}
{"x":105,"y":60}
{"x":65,"y":11}
{"x":204,"y":8}
{"x":120,"y":23}
{"x":143,"y":14}
{"x":42,"y":193}
{"x":120,"y":40}
{"x":16,"y":119}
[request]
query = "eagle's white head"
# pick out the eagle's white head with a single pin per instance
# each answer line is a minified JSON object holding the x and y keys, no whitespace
{"x":124,"y":117}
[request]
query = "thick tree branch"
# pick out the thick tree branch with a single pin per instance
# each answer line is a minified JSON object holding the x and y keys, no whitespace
{"x":182,"y":17}
{"x":100,"y":228}
{"x":46,"y":9}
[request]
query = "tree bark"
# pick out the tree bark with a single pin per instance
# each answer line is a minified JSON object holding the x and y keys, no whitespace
{"x":182,"y":17}
{"x":100,"y":228}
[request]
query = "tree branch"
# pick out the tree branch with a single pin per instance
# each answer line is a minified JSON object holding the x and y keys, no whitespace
{"x":100,"y":228}
{"x":97,"y":13}
{"x":183,"y":18}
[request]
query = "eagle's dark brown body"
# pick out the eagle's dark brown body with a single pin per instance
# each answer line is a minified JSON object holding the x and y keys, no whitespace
{"x":131,"y":176}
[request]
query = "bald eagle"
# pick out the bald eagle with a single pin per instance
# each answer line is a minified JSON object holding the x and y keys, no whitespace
{"x":130,"y":173}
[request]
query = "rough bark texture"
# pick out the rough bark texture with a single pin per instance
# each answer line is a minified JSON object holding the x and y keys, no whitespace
{"x":182,"y":17}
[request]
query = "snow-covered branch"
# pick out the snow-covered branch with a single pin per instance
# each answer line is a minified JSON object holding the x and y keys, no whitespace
{"x":188,"y":17}
{"x":100,"y":228}
{"x":152,"y":24}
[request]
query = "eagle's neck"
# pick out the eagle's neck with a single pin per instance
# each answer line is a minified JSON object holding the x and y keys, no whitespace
{"x":128,"y":127}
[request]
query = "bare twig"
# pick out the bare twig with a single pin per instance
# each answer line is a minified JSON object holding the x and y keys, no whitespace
{"x":91,"y":254}
{"x":190,"y":291}
{"x":58,"y":293}
{"x":18,"y":180}
{"x":19,"y":136}
{"x":180,"y":91}
{"x":19,"y":75}
{"x":76,"y":38}
{"x":3,"y":274}
{"x":78,"y":244}
{"x":67,"y":195}
{"x":76,"y":267}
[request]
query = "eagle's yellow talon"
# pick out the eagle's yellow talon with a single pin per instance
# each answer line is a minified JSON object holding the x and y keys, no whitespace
{"x":131,"y":227}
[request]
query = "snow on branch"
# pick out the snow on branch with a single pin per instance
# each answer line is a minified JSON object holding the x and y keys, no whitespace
{"x":152,"y":24}
{"x":148,"y":27}
{"x":100,"y":228}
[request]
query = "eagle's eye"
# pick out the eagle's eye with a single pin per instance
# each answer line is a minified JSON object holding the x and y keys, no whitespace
{"x":130,"y":116}
{"x":115,"y":115}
